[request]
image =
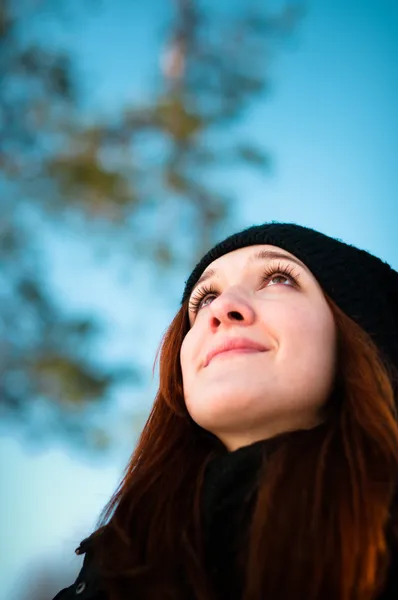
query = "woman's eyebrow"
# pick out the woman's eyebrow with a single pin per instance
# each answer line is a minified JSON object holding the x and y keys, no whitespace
{"x":261,"y":255}
{"x":272,"y":255}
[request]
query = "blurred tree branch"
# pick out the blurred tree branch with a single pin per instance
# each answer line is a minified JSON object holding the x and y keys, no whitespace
{"x":162,"y":155}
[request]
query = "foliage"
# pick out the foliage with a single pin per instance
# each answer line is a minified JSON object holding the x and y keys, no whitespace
{"x":163,"y":156}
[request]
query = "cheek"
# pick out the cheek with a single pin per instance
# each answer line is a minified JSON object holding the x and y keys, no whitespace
{"x":307,"y":334}
{"x":187,"y":362}
{"x":186,"y":355}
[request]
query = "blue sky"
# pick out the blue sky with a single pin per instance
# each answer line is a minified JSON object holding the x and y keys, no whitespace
{"x":331,"y":125}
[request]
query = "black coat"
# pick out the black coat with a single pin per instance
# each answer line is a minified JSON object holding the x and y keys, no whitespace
{"x":87,"y":586}
{"x":221,"y":499}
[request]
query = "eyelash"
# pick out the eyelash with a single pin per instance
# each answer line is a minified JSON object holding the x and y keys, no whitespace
{"x":270,"y":271}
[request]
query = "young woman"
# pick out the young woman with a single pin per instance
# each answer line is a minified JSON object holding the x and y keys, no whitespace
{"x":268,"y":467}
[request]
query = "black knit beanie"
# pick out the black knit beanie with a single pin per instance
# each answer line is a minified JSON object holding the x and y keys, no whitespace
{"x":363,"y":286}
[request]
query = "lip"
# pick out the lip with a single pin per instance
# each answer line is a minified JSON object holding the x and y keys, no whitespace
{"x":234,"y":344}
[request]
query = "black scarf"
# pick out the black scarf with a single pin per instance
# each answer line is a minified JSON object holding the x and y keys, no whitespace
{"x":229,"y":493}
{"x":228,"y":497}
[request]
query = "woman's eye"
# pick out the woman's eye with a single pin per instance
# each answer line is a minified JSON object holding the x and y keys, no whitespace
{"x":201,"y":299}
{"x":280,"y":274}
{"x":279,"y":277}
{"x":204,"y":300}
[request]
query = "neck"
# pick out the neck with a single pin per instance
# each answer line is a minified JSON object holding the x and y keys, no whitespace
{"x":235,"y":440}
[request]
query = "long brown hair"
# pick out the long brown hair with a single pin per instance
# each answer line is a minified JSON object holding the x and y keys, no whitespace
{"x":321,"y":523}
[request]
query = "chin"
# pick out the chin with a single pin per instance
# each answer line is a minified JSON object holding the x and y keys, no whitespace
{"x":225,"y":408}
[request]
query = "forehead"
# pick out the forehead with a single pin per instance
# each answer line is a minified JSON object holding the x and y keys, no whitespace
{"x":242,"y":257}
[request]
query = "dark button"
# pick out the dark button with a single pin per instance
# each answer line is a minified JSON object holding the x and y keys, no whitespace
{"x":80,"y":587}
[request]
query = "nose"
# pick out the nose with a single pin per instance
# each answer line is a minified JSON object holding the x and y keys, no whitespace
{"x":231,"y":308}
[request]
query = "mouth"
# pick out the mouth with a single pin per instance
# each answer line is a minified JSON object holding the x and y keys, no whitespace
{"x":234,"y":347}
{"x":233,"y":352}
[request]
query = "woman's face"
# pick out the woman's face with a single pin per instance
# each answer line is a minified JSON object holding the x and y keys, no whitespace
{"x":259,"y":357}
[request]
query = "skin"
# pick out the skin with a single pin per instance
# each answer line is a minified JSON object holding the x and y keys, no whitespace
{"x":243,"y":397}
